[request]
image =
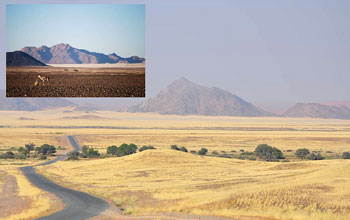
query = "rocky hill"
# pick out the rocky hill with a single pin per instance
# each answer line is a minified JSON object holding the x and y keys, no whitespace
{"x":19,"y":58}
{"x":66,"y":54}
{"x":315,"y":110}
{"x":183,"y":97}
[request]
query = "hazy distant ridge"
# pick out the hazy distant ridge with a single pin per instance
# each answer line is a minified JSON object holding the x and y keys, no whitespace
{"x":66,"y":54}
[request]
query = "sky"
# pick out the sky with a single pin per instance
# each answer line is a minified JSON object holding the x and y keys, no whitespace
{"x":105,"y":28}
{"x":268,"y":51}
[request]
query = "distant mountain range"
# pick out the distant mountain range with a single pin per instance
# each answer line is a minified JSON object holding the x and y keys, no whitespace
{"x":19,"y":58}
{"x":315,"y":110}
{"x":66,"y":54}
{"x":32,"y":104}
{"x":183,"y":97}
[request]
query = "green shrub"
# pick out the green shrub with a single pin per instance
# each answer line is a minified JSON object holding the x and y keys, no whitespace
{"x":247,"y":153}
{"x":302,"y":153}
{"x":214,"y":152}
{"x":42,"y":157}
{"x":203,"y":151}
{"x":146,"y":148}
{"x":7,"y":155}
{"x":268,"y":153}
{"x":73,"y":155}
{"x":313,"y":156}
{"x":193,"y":152}
{"x":46,"y":149}
{"x":21,"y":156}
{"x":122,"y":150}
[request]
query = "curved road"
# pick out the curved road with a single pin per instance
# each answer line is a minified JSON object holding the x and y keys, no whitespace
{"x":79,"y":205}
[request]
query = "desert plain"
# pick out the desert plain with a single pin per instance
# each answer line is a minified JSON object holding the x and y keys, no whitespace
{"x":78,"y":80}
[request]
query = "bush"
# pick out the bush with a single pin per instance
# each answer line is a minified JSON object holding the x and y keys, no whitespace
{"x":241,"y":150}
{"x":203,"y":151}
{"x":46,"y":149}
{"x":112,"y":150}
{"x":302,"y":152}
{"x":7,"y":155}
{"x":268,"y":153}
{"x":22,"y":150}
{"x":89,"y":152}
{"x":346,"y":155}
{"x":174,"y":147}
{"x":184,"y":149}
{"x":122,"y":150}
{"x":289,"y":150}
{"x":247,"y":153}
{"x":214,"y":152}
{"x":313,"y":156}
{"x":21,"y":156}
{"x":233,"y":151}
{"x":73,"y":155}
{"x":29,"y":147}
{"x":193,"y":152}
{"x":146,"y":148}
{"x":42,"y":157}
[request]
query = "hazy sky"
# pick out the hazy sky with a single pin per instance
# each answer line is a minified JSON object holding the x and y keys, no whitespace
{"x":260,"y":50}
{"x":106,"y":28}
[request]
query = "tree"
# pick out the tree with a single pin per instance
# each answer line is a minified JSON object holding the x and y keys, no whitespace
{"x":313,"y":156}
{"x":146,"y":148}
{"x":268,"y":153}
{"x":203,"y":151}
{"x":73,"y":155}
{"x":29,"y":148}
{"x":112,"y":150}
{"x":84,"y":151}
{"x":93,"y":153}
{"x":46,"y":149}
{"x":122,"y":150}
{"x":7,"y":155}
{"x":22,"y":150}
{"x":346,"y":155}
{"x":302,"y":152}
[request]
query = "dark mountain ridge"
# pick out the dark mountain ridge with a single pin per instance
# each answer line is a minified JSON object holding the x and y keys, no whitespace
{"x":19,"y":58}
{"x":66,"y":54}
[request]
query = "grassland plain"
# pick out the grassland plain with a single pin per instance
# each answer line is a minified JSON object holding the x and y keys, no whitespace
{"x":101,"y":129}
{"x":163,"y":181}
{"x":186,"y":183}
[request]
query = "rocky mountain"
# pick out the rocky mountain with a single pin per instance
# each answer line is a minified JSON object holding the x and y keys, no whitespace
{"x":183,"y":97}
{"x":19,"y":58}
{"x":315,"y":110}
{"x":32,"y":104}
{"x":66,"y":54}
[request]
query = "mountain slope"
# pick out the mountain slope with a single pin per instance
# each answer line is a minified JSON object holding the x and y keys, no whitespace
{"x":19,"y":58}
{"x":66,"y":54}
{"x":183,"y":97}
{"x":315,"y":110}
{"x":31,"y":104}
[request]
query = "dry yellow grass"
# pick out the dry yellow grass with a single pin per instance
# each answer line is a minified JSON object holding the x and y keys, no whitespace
{"x":157,"y":181}
{"x":34,"y":202}
{"x":194,"y":132}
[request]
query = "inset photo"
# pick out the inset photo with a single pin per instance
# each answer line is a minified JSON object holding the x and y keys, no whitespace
{"x":75,"y":50}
